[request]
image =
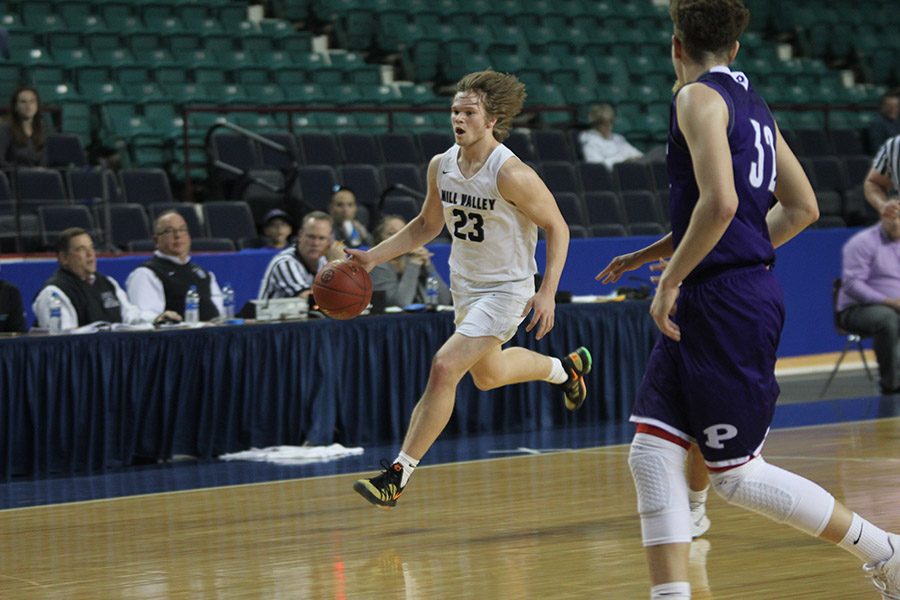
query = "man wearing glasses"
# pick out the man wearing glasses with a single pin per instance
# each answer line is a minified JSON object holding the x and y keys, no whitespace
{"x":291,"y":272}
{"x":162,"y":282}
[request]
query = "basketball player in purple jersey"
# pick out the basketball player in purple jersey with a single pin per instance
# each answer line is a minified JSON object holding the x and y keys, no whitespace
{"x":711,"y":376}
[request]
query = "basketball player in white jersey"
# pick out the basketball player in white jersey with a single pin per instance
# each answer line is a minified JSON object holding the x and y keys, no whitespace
{"x":492,"y":204}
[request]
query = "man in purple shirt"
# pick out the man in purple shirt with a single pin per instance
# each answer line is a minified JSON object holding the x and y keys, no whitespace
{"x":869,"y":300}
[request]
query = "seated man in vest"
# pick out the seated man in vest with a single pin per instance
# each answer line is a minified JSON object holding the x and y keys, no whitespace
{"x":291,"y":272}
{"x":162,"y":282}
{"x":86,"y":296}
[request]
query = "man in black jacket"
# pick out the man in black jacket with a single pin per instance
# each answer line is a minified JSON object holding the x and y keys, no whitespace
{"x":85,"y":295}
{"x":162,"y":282}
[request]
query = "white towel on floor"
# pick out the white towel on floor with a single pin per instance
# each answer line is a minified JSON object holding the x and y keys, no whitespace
{"x":294,"y":455}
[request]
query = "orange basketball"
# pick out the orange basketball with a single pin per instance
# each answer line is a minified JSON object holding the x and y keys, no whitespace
{"x":342,"y":289}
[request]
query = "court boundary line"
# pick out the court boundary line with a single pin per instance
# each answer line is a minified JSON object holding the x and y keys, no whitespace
{"x":612,"y":448}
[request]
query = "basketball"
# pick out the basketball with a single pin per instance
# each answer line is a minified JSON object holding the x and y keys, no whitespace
{"x":342,"y":289}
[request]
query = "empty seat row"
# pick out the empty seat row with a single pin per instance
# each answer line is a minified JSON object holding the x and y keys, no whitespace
{"x":130,"y":225}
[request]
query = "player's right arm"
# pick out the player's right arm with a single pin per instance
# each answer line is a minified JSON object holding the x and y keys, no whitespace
{"x":661,"y":248}
{"x":415,"y":234}
{"x":796,"y":208}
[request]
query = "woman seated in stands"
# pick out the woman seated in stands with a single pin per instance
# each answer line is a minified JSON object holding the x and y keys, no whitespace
{"x":405,"y":278}
{"x":599,"y":144}
{"x":22,"y":137}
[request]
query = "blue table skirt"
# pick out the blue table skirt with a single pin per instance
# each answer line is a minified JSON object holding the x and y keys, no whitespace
{"x":86,"y":403}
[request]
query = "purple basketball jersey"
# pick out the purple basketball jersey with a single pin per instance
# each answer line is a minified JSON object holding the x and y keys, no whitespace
{"x":717,"y":385}
{"x":751,"y":136}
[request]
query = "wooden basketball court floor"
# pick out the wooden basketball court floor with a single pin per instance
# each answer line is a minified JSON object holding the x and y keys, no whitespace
{"x":521,"y":523}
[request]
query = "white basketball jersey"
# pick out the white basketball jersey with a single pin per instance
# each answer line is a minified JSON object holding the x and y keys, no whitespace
{"x":493,"y":241}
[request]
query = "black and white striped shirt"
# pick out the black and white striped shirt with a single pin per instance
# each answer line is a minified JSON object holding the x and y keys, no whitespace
{"x":887,"y":161}
{"x":286,"y":276}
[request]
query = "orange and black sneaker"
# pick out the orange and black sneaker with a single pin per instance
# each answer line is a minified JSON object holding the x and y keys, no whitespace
{"x":577,"y":364}
{"x":382,"y":490}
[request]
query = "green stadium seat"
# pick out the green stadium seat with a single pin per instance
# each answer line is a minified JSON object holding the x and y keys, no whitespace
{"x":182,"y":93}
{"x":307,"y":93}
{"x":418,"y":94}
{"x":143,"y":90}
{"x":275,"y":59}
{"x":372,"y":122}
{"x":231,"y":15}
{"x":549,"y":95}
{"x":217,"y":42}
{"x":251,"y":75}
{"x":73,"y":58}
{"x":102,"y":41}
{"x":300,"y":41}
{"x":11,"y":77}
{"x":75,"y":115}
{"x":163,"y":117}
{"x":171,"y":73}
{"x":196,"y":16}
{"x":289,"y":76}
{"x":268,"y":94}
{"x":336,"y":121}
{"x":413,"y":122}
{"x":210,"y":74}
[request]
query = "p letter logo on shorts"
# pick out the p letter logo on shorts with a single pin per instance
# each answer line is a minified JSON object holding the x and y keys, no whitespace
{"x":718,"y":433}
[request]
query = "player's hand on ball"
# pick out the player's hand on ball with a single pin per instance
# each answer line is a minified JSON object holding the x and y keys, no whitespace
{"x":361,"y":257}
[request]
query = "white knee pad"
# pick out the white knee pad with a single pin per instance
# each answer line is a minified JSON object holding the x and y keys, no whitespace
{"x":775,"y":493}
{"x":657,"y":467}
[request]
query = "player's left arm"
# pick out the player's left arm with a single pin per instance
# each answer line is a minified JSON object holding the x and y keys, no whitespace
{"x":521,"y":186}
{"x":796,"y":208}
{"x":703,"y":118}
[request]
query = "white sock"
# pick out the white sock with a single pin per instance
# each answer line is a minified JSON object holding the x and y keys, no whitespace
{"x":409,"y":465}
{"x":866,"y":541}
{"x":557,"y":373}
{"x":676,"y":590}
{"x":697,"y":498}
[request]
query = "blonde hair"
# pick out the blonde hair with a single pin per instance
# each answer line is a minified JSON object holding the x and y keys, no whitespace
{"x":601,"y":113}
{"x":502,"y":96}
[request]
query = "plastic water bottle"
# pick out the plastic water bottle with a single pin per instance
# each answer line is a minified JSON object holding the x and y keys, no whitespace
{"x":192,"y":305}
{"x":55,"y":324}
{"x":228,"y":301}
{"x":431,"y":293}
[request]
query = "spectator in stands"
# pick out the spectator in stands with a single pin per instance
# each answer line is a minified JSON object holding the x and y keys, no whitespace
{"x":599,"y":144}
{"x":404,"y":278}
{"x":887,"y":123}
{"x":275,"y":231}
{"x":22,"y":137}
{"x":883,"y":181}
{"x":290,"y":273}
{"x":162,"y":282}
{"x":347,"y":228}
{"x":86,"y":295}
{"x":12,"y":315}
{"x":869,"y":300}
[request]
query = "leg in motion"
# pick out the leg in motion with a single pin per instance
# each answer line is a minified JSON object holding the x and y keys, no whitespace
{"x":698,"y":489}
{"x":657,"y":466}
{"x":429,"y":417}
{"x":517,"y":365}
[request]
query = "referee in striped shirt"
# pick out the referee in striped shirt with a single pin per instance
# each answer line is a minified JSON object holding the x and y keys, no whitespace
{"x":291,"y":272}
{"x":883,"y":181}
